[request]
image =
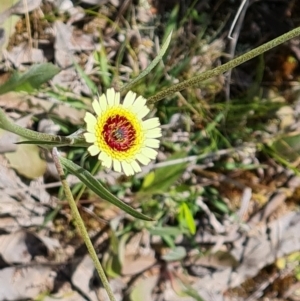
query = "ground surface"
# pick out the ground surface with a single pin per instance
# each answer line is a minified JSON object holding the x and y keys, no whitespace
{"x":224,"y":190}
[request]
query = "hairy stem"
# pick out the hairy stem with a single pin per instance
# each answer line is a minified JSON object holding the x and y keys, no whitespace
{"x":80,"y":225}
{"x":43,"y":138}
{"x":223,"y":68}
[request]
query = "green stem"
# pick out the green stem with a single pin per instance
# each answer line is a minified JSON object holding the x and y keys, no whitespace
{"x":223,"y":68}
{"x":80,"y":225}
{"x":95,"y":169}
{"x":43,"y":138}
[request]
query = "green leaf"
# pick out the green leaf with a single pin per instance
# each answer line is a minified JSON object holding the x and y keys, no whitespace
{"x":157,"y":59}
{"x":188,"y":217}
{"x":177,"y":253}
{"x":160,"y":231}
{"x":39,"y":142}
{"x":288,"y":146}
{"x":162,"y":178}
{"x":220,"y":205}
{"x":104,"y":67}
{"x":87,"y":80}
{"x":148,"y":180}
{"x":31,"y":79}
{"x":112,"y":264}
{"x":86,"y":178}
{"x":53,"y":143}
{"x":190,"y":291}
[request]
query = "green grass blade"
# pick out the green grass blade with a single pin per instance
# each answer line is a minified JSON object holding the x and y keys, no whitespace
{"x":158,"y":58}
{"x":86,"y":79}
{"x":86,"y":178}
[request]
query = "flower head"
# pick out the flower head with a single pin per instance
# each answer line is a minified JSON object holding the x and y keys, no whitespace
{"x":119,"y":135}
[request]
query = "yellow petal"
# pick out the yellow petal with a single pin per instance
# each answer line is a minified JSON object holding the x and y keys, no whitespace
{"x":151,"y":123}
{"x":129,"y":99}
{"x":128,"y":170}
{"x":140,"y":102}
{"x":144,"y":160}
{"x":136,"y":167}
{"x":103,"y":102}
{"x":106,"y":160}
{"x":154,"y":143}
{"x":96,"y":107}
{"x":90,"y":122}
{"x":153,"y":133}
{"x":143,"y":112}
{"x":117,"y":165}
{"x":149,"y":152}
{"x":89,"y":137}
{"x":110,"y":97}
{"x":117,"y":99}
{"x":93,"y":150}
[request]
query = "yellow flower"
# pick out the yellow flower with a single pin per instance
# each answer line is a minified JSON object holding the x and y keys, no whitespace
{"x":119,"y":135}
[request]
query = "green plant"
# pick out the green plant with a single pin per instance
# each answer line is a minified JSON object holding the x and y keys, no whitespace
{"x":184,"y":207}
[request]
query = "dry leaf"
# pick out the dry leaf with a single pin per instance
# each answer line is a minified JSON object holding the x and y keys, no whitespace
{"x":143,"y":289}
{"x":27,"y":161}
{"x":25,"y":283}
{"x":82,"y":276}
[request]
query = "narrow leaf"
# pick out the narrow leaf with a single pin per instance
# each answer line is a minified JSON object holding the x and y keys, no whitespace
{"x":31,"y":79}
{"x":175,"y":254}
{"x":189,"y":218}
{"x":86,"y":178}
{"x":41,"y":142}
{"x":162,"y":178}
{"x":52,"y":143}
{"x":160,"y":231}
{"x":288,"y":146}
{"x":86,"y":79}
{"x":161,"y":53}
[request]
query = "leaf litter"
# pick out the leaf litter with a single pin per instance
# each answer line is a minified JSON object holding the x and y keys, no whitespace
{"x":35,"y":255}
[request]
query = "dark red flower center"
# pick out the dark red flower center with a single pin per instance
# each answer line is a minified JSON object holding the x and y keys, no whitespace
{"x":119,"y":133}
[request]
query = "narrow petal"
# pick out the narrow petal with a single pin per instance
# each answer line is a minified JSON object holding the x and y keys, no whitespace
{"x":106,"y":160}
{"x":93,"y":150}
{"x":149,"y":152}
{"x":117,"y":165}
{"x":128,"y":170}
{"x":154,"y":143}
{"x":96,"y":107}
{"x":136,"y":167}
{"x":103,"y":156}
{"x":90,"y":119}
{"x":103,"y":102}
{"x":153,"y":133}
{"x":140,"y":102}
{"x":129,"y":99}
{"x":117,"y":99}
{"x":144,"y":160}
{"x":151,"y":123}
{"x":89,"y":137}
{"x":143,"y":112}
{"x":90,"y":122}
{"x":110,"y":97}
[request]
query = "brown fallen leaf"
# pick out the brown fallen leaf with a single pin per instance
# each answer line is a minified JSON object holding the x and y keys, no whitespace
{"x":25,"y":283}
{"x":143,"y":288}
{"x":133,"y":265}
{"x":20,"y":8}
{"x":82,"y":276}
